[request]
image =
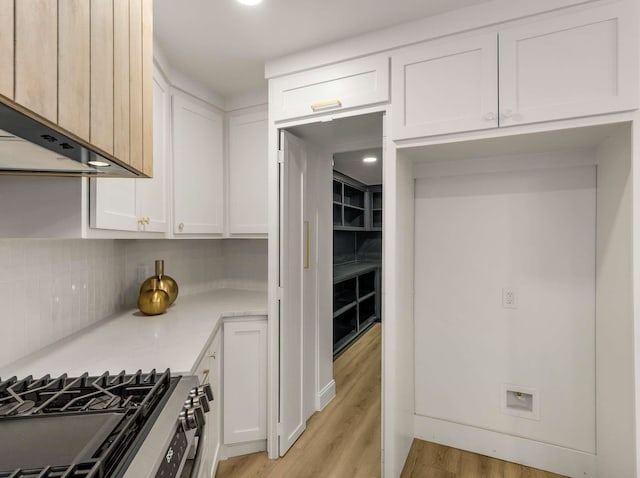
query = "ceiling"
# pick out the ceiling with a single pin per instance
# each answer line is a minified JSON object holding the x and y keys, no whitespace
{"x":224,"y":45}
{"x":351,"y":164}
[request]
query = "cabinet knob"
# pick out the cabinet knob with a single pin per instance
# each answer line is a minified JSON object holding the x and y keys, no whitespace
{"x":489,"y":116}
{"x":212,"y":355}
{"x":140,"y":221}
{"x":507,"y":114}
{"x":181,"y":226}
{"x":146,"y":220}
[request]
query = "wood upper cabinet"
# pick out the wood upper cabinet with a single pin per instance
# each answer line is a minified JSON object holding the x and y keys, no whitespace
{"x":36,"y":57}
{"x":85,"y":66}
{"x":6,"y":47}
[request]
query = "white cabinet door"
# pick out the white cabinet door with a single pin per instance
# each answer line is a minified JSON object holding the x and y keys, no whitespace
{"x":198,"y":179}
{"x":568,"y":66}
{"x":245,"y":380}
{"x":343,"y":85}
{"x":151,"y":199}
{"x":137,"y":204}
{"x":445,"y":87}
{"x":248,"y":173}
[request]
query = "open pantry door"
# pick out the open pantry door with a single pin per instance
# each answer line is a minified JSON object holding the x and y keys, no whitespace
{"x":293,"y":170}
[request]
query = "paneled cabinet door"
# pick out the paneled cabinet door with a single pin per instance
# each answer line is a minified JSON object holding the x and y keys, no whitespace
{"x":445,"y":87}
{"x":569,"y":66}
{"x":6,"y":47}
{"x":198,"y":174}
{"x":137,"y":204}
{"x":245,"y":380}
{"x":248,"y":174}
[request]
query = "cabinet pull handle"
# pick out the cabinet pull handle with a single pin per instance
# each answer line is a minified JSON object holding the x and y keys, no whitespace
{"x":205,"y":377}
{"x":507,"y":114}
{"x":306,"y":240}
{"x":181,"y":226}
{"x":326,"y":105}
{"x":213,"y":355}
{"x":146,"y":220}
{"x":489,"y":116}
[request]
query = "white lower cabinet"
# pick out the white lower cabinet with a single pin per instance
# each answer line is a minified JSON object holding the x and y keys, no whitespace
{"x":245,"y":380}
{"x":198,"y":167}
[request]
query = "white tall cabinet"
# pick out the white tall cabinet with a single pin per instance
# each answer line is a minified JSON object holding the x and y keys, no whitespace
{"x":198,"y":167}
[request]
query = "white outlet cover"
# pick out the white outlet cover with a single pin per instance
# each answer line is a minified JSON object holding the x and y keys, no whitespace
{"x":509,"y":298}
{"x":519,"y":412}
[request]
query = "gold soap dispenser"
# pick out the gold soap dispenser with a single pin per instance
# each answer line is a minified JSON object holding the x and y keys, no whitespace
{"x":162,"y":282}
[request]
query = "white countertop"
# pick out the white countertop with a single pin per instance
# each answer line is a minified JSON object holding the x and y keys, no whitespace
{"x":130,"y":341}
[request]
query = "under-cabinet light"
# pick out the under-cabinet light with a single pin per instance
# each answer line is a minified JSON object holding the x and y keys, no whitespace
{"x":100,"y":164}
{"x":369,"y":159}
{"x":250,"y":2}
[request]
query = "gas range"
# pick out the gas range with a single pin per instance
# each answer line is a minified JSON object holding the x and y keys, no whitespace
{"x":125,"y":425}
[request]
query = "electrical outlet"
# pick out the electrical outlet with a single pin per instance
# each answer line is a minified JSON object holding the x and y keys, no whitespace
{"x":509,"y":298}
{"x":143,"y":272}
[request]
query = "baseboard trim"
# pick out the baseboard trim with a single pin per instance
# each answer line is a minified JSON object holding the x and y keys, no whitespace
{"x":325,"y":396}
{"x":557,"y":459}
{"x":229,"y":451}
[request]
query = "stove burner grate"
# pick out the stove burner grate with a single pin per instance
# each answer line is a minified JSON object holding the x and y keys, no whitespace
{"x":130,"y":396}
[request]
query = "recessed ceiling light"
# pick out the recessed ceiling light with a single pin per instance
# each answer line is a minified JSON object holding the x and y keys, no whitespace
{"x":250,"y":2}
{"x":100,"y":164}
{"x":370,"y":159}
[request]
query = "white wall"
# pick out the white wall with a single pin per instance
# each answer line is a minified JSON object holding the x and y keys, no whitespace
{"x":50,"y":289}
{"x":615,"y":395}
{"x":475,"y":235}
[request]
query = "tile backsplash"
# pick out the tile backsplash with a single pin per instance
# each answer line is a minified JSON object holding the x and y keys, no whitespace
{"x":50,"y":289}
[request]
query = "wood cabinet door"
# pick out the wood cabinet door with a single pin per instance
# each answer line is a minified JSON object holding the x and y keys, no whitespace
{"x":245,"y":380}
{"x":102,"y":69}
{"x":74,"y":66}
{"x":6,"y":48}
{"x":247,"y":198}
{"x":569,"y":66}
{"x":445,"y":87}
{"x":198,"y":181}
{"x":36,"y":57}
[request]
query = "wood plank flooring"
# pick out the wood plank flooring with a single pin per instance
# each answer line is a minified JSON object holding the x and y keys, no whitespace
{"x":343,"y":440}
{"x":430,"y":460}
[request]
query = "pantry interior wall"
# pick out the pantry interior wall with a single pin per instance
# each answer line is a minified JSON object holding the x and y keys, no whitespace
{"x":536,"y":223}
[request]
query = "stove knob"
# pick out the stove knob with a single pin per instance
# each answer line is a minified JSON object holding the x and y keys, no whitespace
{"x":202,"y":390}
{"x":204,"y":403}
{"x":192,"y":418}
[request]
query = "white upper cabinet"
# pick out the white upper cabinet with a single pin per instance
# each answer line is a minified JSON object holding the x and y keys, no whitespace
{"x":446,"y":86}
{"x":571,"y":65}
{"x":198,"y":167}
{"x":344,"y":85}
{"x":248,"y":174}
{"x":137,"y":205}
{"x":568,"y":66}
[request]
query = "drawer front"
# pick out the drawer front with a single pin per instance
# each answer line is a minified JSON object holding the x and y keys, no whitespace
{"x":345,"y":85}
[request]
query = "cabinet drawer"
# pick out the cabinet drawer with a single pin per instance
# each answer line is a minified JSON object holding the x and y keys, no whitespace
{"x":345,"y":85}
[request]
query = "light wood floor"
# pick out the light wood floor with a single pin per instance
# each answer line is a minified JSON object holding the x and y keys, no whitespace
{"x":343,"y":440}
{"x":429,"y":460}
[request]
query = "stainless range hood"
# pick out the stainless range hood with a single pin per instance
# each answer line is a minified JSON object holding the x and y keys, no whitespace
{"x":30,"y":147}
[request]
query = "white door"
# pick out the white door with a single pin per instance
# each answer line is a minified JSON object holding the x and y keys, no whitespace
{"x":447,"y":87}
{"x":568,"y":66}
{"x":292,"y":254}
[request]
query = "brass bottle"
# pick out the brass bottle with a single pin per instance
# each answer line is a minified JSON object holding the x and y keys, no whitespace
{"x":153,"y":301}
{"x":164,"y":282}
